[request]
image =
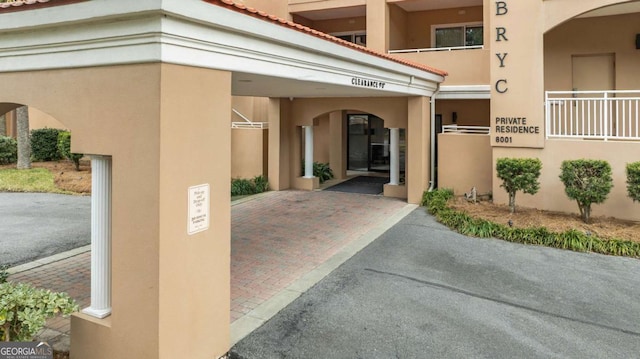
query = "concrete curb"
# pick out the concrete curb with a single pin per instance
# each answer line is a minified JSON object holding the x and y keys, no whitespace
{"x":48,"y":260}
{"x":254,"y":319}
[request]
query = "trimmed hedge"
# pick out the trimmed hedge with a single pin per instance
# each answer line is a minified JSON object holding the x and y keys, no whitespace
{"x":519,"y":174}
{"x":633,"y":181}
{"x":44,"y":144}
{"x":243,"y":187}
{"x":8,"y":150}
{"x":587,"y":182}
{"x":436,"y":203}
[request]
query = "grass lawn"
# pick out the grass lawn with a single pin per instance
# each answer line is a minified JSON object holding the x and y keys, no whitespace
{"x":32,"y":180}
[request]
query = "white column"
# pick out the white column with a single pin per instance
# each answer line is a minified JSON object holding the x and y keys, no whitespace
{"x":394,"y":158}
{"x":100,"y":237}
{"x":308,"y":151}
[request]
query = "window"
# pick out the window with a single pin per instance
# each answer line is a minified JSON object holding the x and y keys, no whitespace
{"x":359,"y":37}
{"x":457,"y":35}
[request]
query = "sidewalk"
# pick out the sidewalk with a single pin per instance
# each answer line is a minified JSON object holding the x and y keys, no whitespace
{"x":281,"y":244}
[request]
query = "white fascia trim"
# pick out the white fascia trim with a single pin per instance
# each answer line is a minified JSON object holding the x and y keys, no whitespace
{"x":194,"y":33}
{"x":327,"y":53}
{"x":83,"y":12}
{"x":467,"y":92}
{"x":269,"y":58}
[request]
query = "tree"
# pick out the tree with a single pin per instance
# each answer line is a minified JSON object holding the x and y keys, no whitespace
{"x":519,"y":174}
{"x":587,"y":182}
{"x":24,"y":144}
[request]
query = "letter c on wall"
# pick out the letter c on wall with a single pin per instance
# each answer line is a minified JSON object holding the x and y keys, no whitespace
{"x":501,"y":86}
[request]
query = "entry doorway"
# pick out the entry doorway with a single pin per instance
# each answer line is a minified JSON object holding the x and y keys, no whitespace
{"x":591,"y":73}
{"x":368,"y":144}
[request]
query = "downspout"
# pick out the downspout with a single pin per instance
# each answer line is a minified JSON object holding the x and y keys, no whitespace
{"x":432,"y":173}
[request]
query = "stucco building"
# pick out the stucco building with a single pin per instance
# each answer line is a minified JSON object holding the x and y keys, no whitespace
{"x":145,"y":85}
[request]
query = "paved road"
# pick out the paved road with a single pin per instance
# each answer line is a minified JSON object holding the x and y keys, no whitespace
{"x":421,"y":291}
{"x":36,"y":225}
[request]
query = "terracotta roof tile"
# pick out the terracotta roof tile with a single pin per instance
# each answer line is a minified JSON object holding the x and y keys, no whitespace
{"x":229,"y":4}
{"x":19,"y":5}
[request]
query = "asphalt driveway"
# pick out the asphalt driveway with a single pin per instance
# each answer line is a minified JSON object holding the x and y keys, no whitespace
{"x":37,"y":225}
{"x":421,"y":291}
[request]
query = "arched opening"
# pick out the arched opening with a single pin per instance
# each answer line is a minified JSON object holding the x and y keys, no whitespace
{"x":358,"y":143}
{"x":46,"y":213}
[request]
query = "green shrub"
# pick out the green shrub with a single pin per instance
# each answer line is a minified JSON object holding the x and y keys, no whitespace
{"x":633,"y":180}
{"x":64,"y":148}
{"x":261,"y":184}
{"x":4,"y":275}
{"x":8,"y":150}
{"x":436,"y":200}
{"x":322,"y":171}
{"x":243,"y":187}
{"x":44,"y":144}
{"x":519,"y":174}
{"x":587,"y":182}
{"x":436,"y":203}
{"x":25,"y":309}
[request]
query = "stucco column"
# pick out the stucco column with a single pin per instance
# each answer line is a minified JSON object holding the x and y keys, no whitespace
{"x":279,"y":144}
{"x":418,"y":151}
{"x":100,"y":237}
{"x":338,"y":144}
{"x":394,"y":156}
{"x":377,"y":25}
{"x":308,"y":151}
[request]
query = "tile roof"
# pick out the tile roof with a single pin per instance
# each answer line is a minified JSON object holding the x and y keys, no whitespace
{"x":229,"y":4}
{"x":19,"y":5}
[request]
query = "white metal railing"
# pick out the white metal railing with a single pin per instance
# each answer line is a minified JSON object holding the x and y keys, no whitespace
{"x":483,"y":130}
{"x":434,"y":49}
{"x":603,"y":115}
{"x":247,"y":123}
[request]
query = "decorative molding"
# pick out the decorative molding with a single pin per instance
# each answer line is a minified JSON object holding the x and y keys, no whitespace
{"x":200,"y":35}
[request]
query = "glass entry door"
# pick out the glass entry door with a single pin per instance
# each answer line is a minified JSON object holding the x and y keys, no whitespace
{"x":368,"y":144}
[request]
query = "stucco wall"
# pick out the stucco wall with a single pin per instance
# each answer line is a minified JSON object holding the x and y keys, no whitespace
{"x":39,"y":119}
{"x":249,"y":152}
{"x":321,"y":139}
{"x":469,"y":112}
{"x":589,"y":36}
{"x":419,"y":23}
{"x":465,"y":67}
{"x":464,"y":161}
{"x":551,"y":195}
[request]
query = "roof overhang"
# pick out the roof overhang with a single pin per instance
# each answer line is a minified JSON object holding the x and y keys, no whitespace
{"x":266,"y":59}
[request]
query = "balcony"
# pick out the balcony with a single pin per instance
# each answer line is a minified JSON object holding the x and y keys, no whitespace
{"x":466,"y":65}
{"x":593,"y":115}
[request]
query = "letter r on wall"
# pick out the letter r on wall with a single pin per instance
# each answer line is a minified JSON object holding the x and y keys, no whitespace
{"x":501,"y":33}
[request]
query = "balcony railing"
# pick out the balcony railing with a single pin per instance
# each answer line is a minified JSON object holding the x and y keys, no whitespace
{"x":483,"y":130}
{"x":247,"y":123}
{"x":435,"y":49}
{"x":600,"y":115}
